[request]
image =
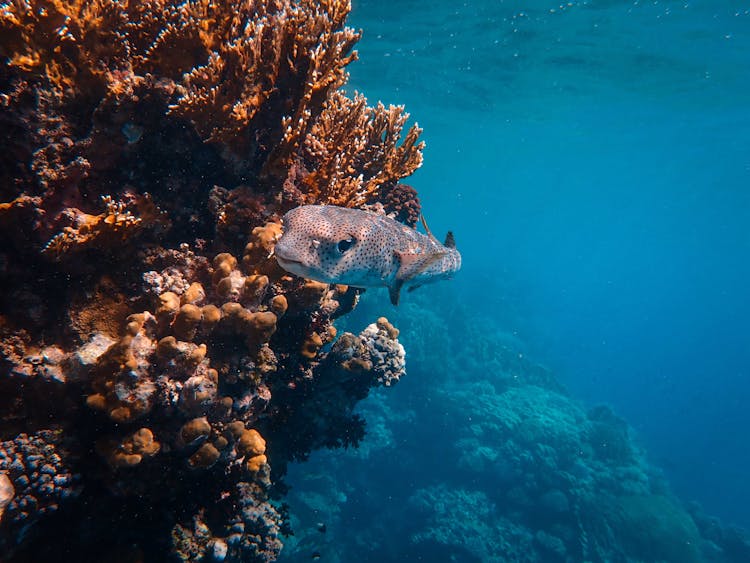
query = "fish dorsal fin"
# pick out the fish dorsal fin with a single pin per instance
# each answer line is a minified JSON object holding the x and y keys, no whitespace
{"x":427,"y":229}
{"x":413,"y":264}
{"x":450,"y":242}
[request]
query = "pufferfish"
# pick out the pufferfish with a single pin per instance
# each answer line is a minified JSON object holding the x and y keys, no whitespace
{"x":359,"y":248}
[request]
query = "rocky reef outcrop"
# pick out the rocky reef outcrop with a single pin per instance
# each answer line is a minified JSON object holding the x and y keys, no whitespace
{"x":158,"y":370}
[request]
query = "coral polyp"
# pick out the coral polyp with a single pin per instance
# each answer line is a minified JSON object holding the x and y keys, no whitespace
{"x":147,"y":335}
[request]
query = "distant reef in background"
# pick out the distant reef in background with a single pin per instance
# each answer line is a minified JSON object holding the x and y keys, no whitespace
{"x":489,"y":459}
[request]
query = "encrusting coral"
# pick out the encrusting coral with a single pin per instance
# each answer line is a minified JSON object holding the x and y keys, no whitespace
{"x":35,"y":479}
{"x":147,"y":335}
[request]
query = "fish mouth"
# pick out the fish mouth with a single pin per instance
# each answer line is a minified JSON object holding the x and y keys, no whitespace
{"x":283,"y":260}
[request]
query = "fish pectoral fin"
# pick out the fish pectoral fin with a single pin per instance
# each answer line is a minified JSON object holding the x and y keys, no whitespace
{"x":394,"y":290}
{"x":450,"y":242}
{"x":413,"y":287}
{"x":412,"y":264}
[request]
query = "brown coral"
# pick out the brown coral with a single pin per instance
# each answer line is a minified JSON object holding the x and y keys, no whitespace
{"x":115,"y":223}
{"x":131,"y":450}
{"x":204,"y":457}
{"x":402,"y":202}
{"x":143,"y":138}
{"x":250,"y":443}
{"x":354,"y":177}
{"x":195,"y":429}
{"x":121,"y":384}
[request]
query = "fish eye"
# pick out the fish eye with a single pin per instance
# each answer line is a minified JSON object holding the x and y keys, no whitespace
{"x":346,"y":244}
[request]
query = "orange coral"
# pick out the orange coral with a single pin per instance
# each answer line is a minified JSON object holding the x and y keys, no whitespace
{"x":115,"y":223}
{"x":254,"y":61}
{"x":372,"y":156}
{"x":258,"y":78}
{"x":113,"y":226}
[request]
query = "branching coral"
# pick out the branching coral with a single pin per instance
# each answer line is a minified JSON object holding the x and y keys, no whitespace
{"x":241,"y":81}
{"x":258,"y":80}
{"x":352,"y":178}
{"x":109,"y":228}
{"x":151,"y":149}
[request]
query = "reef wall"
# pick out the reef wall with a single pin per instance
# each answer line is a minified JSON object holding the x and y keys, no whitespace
{"x":158,"y":370}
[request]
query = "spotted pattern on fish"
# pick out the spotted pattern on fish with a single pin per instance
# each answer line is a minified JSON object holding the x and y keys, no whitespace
{"x":334,"y":244}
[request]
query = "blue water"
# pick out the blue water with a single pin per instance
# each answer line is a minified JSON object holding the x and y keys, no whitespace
{"x":593,"y":161}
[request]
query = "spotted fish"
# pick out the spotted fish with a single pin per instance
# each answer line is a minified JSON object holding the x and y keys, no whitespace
{"x":334,"y":244}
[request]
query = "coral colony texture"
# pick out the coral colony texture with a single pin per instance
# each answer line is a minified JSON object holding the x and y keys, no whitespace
{"x":158,"y":370}
{"x":510,"y":468}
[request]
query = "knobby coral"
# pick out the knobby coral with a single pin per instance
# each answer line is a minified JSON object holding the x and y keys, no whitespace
{"x":147,"y":336}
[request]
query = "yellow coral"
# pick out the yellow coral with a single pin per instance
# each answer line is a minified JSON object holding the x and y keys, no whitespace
{"x":211,"y":315}
{"x":169,"y":304}
{"x":383,"y":324}
{"x":257,"y":328}
{"x":118,"y":385}
{"x":186,"y":321}
{"x":262,"y":241}
{"x":194,"y":294}
{"x":224,"y":263}
{"x":311,"y":294}
{"x":279,"y":305}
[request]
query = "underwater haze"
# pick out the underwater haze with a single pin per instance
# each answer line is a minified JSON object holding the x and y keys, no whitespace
{"x":593,"y":160}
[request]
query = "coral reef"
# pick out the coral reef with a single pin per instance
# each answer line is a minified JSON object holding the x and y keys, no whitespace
{"x":496,"y":462}
{"x":34,"y":480}
{"x":108,"y":101}
{"x":147,"y":335}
